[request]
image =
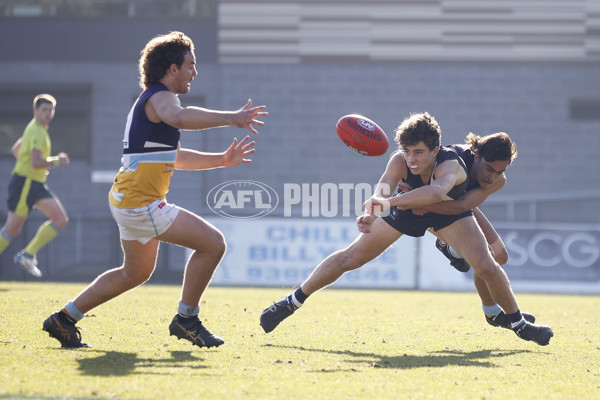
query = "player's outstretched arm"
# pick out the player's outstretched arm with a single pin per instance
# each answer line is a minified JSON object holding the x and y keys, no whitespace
{"x":468,"y":201}
{"x":37,"y":161}
{"x":235,"y":154}
{"x":165,"y":107}
{"x":378,"y":203}
{"x":446,"y":177}
{"x":247,"y":116}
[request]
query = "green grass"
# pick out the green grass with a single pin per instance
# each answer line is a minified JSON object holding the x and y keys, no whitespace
{"x":343,"y":344}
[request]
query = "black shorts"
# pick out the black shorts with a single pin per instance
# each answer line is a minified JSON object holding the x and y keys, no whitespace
{"x":23,"y":193}
{"x":404,"y":221}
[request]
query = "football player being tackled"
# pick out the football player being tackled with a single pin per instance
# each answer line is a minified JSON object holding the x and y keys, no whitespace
{"x":435,"y":173}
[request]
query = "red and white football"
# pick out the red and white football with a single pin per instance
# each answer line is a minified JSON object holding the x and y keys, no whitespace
{"x":362,"y":135}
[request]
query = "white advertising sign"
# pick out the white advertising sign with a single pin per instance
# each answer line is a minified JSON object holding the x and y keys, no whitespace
{"x":559,"y":258}
{"x":284,"y":251}
{"x":550,"y":258}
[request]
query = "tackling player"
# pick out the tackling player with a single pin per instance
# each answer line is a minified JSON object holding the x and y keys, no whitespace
{"x":487,"y":159}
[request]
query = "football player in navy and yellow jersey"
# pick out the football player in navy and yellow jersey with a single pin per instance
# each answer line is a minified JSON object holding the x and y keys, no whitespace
{"x":151,"y":152}
{"x":27,"y":187}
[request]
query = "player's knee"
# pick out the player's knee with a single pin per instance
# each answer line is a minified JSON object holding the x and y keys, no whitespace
{"x":136,"y":276}
{"x":213,"y":245}
{"x":221,"y":249}
{"x":219,"y":245}
{"x":485,"y":268}
{"x":61,"y":222}
{"x":13,"y":226}
{"x":12,"y":231}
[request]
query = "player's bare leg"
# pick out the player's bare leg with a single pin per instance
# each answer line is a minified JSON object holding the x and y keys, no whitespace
{"x":365,"y":248}
{"x":12,"y":227}
{"x":138,"y":265}
{"x":467,"y":238}
{"x":14,"y":223}
{"x":494,"y":315}
{"x":52,"y":208}
{"x":191,"y":231}
{"x":491,"y":236}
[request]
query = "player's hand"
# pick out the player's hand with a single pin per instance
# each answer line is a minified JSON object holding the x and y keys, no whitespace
{"x":364,"y":223}
{"x":376,"y":205}
{"x":247,"y":116}
{"x":236,"y":153}
{"x":63,"y":159}
{"x":405,"y":187}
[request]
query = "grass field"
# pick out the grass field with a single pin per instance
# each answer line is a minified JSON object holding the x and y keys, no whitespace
{"x":343,"y":344}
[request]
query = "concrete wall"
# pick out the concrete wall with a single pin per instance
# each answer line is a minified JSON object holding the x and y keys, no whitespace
{"x":298,"y":142}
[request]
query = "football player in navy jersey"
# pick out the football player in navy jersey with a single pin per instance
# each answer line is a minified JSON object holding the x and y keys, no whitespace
{"x":137,"y":198}
{"x":436,"y":174}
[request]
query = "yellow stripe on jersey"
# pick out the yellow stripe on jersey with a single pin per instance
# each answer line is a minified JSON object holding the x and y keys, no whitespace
{"x":144,"y":178}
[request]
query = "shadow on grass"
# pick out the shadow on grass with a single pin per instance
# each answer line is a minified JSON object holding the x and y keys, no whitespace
{"x":115,"y":363}
{"x":482,"y":358}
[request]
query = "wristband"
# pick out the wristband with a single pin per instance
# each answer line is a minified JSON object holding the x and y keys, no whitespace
{"x":55,"y":161}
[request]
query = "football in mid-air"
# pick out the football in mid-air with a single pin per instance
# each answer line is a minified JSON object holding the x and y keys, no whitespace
{"x":362,"y":135}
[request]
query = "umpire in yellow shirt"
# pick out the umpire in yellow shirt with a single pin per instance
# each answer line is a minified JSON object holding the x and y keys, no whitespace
{"x":27,"y":187}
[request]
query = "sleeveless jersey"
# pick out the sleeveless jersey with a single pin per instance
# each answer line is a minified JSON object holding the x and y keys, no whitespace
{"x":464,"y":152}
{"x":410,"y":224}
{"x":444,"y":154}
{"x":149,"y":154}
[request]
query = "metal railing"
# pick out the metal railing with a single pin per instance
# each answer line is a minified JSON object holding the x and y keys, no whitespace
{"x":588,"y":202}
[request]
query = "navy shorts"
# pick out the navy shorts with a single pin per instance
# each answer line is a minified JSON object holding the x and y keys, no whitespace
{"x":404,"y":221}
{"x":23,"y":193}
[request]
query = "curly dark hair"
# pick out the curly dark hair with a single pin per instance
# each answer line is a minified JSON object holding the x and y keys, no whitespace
{"x":497,"y":146}
{"x":160,"y":53}
{"x":419,"y":128}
